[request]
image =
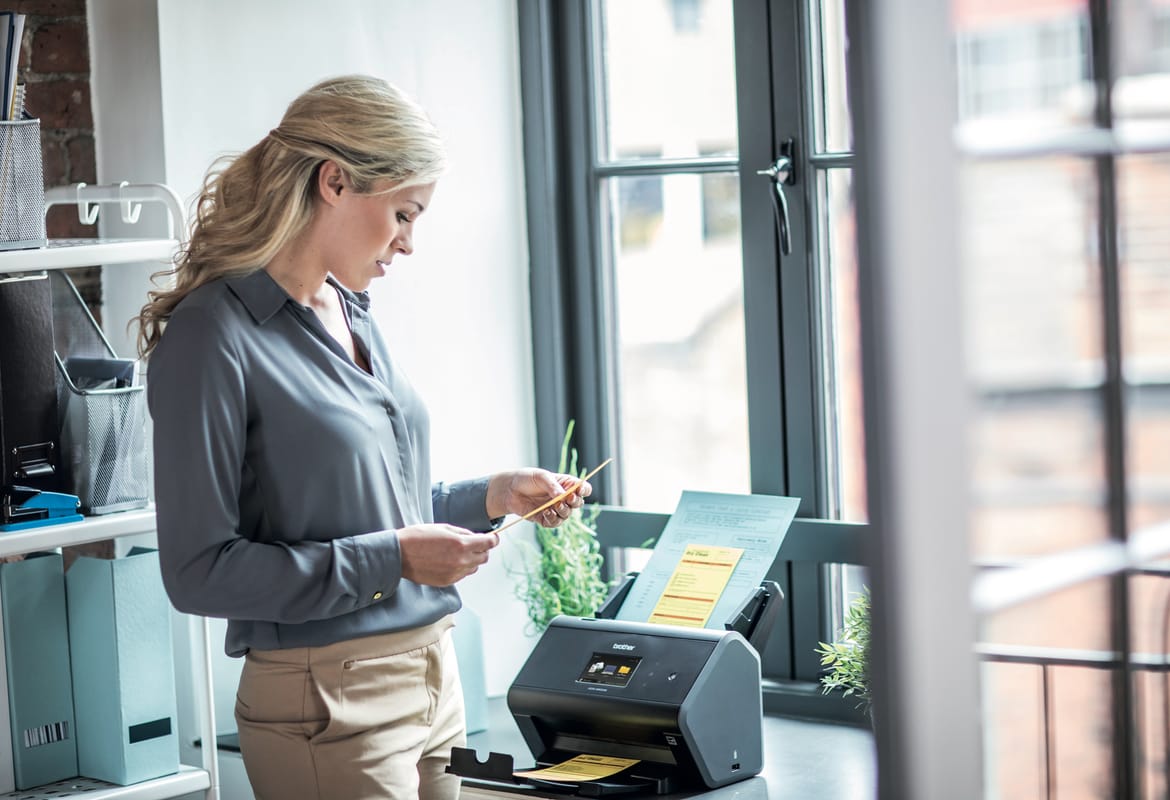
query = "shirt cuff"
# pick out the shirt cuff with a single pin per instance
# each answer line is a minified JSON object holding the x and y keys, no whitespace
{"x":464,"y":503}
{"x":380,"y":566}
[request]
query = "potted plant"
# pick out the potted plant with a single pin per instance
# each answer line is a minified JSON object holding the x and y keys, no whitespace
{"x":847,"y":658}
{"x":562,"y":574}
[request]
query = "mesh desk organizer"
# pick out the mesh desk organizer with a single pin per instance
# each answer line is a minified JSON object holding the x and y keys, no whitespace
{"x":690,"y":708}
{"x":22,"y":188}
{"x":101,"y":405}
{"x":102,"y":412}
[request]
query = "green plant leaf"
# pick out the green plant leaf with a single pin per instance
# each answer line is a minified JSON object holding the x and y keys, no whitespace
{"x":566,"y":576}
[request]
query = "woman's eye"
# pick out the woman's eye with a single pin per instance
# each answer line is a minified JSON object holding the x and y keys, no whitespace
{"x":403,"y":218}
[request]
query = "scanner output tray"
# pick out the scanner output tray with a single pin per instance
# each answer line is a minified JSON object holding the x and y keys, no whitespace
{"x":500,"y":768}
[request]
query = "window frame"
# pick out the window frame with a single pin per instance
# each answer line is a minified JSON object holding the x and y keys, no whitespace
{"x":572,"y":352}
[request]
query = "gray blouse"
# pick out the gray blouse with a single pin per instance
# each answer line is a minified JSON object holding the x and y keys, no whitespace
{"x":282,"y":471}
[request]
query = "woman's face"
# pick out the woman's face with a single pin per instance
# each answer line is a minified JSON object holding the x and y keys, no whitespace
{"x":373,"y":228}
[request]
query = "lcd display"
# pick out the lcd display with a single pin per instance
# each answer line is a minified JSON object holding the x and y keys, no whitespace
{"x":609,"y":669}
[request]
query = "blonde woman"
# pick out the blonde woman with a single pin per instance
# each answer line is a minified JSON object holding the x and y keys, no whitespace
{"x":292,"y":475}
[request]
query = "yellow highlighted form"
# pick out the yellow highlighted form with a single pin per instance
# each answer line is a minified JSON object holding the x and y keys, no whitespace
{"x":580,"y":768}
{"x":696,"y":585}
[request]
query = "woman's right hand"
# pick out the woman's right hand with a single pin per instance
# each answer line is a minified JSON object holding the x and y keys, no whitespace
{"x":440,"y":555}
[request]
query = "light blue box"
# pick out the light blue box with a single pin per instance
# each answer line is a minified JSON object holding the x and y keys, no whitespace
{"x":40,"y":694}
{"x":123,"y":668}
{"x":467,"y":636}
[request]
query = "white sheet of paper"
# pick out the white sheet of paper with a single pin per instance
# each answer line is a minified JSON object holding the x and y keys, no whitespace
{"x":755,"y":523}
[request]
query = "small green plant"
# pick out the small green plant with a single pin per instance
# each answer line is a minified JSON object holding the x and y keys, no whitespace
{"x":848,"y":658}
{"x":564,"y":576}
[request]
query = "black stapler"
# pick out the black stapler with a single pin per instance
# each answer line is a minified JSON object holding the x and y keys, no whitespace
{"x":22,"y":507}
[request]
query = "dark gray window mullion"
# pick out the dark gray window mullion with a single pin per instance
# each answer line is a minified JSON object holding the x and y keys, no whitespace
{"x":796,"y":280}
{"x":761,"y":281}
{"x":799,"y":291}
{"x":1127,"y":769}
{"x":760,"y":262}
{"x":543,"y":181}
{"x":581,"y":269}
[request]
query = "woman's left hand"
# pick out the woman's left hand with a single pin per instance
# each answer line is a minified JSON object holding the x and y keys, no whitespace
{"x":519,"y":491}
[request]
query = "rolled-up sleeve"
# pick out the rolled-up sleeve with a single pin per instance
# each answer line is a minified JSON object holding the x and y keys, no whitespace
{"x":198,"y":398}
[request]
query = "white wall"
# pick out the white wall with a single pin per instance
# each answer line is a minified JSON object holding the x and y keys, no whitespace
{"x":178,"y":83}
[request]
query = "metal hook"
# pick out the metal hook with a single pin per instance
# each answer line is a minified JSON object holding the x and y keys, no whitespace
{"x":85,"y":212}
{"x":130,"y":211}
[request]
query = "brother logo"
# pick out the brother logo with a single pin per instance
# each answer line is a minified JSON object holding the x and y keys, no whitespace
{"x":620,"y":646}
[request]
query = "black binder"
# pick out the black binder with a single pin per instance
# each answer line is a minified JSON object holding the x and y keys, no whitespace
{"x":29,"y":453}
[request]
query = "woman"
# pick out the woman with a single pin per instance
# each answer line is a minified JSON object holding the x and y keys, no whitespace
{"x":292,"y":476}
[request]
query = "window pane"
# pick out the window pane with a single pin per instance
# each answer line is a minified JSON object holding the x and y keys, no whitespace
{"x":1023,"y":63}
{"x":678,"y":284}
{"x":1033,"y":330}
{"x":1076,"y":618}
{"x":834,"y":130}
{"x":1068,"y":623}
{"x":1079,"y":725}
{"x":1144,"y":198}
{"x":1144,"y":246}
{"x":1150,"y":637}
{"x":841,"y":356}
{"x":1141,"y":87}
{"x":668,"y":78}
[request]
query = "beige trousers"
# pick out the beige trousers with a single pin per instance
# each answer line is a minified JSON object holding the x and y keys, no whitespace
{"x":374,"y":717}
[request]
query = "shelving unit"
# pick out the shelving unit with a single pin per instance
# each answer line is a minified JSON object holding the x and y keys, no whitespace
{"x":65,"y":254}
{"x":68,"y":253}
{"x":91,"y":529}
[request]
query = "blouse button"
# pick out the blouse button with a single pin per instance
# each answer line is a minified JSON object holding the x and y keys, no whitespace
{"x":377,"y":595}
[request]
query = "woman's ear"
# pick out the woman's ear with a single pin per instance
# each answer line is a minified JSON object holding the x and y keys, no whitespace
{"x":331,"y":182}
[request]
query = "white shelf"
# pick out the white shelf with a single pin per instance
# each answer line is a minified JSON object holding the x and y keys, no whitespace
{"x":90,"y":529}
{"x":66,"y":253}
{"x":185,"y":781}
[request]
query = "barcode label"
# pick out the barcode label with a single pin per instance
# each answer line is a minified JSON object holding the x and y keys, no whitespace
{"x":46,"y":734}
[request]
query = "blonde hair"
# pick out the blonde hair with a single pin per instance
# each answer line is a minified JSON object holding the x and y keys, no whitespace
{"x":255,"y":203}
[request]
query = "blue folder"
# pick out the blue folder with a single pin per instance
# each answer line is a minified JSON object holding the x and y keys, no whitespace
{"x":40,"y":692}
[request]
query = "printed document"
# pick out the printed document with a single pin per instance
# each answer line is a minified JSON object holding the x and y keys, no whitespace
{"x":754,"y":524}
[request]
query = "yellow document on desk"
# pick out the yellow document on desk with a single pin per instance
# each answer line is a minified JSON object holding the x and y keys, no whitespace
{"x":580,"y":768}
{"x":696,"y":585}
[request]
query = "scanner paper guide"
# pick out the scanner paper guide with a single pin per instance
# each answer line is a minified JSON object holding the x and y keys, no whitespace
{"x":719,"y":525}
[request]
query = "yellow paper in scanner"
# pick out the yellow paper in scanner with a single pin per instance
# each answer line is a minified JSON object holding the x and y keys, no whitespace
{"x":580,"y":768}
{"x":696,"y":585}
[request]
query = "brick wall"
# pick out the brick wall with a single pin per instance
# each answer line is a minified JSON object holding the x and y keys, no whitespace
{"x":54,"y":67}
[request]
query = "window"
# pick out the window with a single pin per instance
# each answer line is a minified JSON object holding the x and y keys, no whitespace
{"x":671,"y":326}
{"x":1065,"y":256}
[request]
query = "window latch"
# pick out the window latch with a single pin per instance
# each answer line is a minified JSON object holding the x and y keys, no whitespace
{"x":782,"y":172}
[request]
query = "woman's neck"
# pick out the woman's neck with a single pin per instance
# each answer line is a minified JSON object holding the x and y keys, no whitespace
{"x":300,"y":274}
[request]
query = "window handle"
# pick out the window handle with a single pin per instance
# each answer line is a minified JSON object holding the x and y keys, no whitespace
{"x":782,"y":172}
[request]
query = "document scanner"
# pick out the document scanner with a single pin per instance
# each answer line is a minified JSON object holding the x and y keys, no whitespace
{"x":685,"y":702}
